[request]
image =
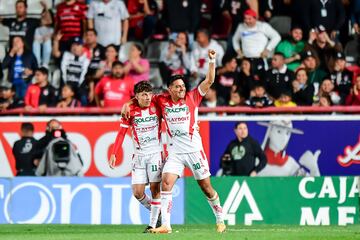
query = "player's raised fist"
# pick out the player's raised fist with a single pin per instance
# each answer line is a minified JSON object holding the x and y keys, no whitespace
{"x":212,"y":54}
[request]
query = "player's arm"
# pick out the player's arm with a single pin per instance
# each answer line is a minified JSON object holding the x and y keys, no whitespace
{"x":118,"y":143}
{"x":210,"y":76}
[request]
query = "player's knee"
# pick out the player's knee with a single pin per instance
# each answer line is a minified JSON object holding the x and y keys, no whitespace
{"x":155,"y":189}
{"x":138,"y":194}
{"x":166,"y":185}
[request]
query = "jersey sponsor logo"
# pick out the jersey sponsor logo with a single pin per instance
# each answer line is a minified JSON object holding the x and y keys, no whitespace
{"x":146,"y":140}
{"x":176,"y":109}
{"x":178,"y":133}
{"x":138,"y":120}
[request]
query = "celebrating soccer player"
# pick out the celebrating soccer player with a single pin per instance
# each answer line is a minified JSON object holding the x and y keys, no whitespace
{"x":147,"y":161}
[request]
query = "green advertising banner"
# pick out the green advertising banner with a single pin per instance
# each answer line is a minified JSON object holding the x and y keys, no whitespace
{"x":273,"y":200}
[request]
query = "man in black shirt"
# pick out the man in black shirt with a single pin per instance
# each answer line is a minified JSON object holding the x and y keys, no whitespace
{"x":240,"y":155}
{"x":8,"y":99}
{"x":278,"y":79}
{"x":22,"y":25}
{"x":23,"y":150}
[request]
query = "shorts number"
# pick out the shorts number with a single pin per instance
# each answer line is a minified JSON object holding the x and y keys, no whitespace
{"x":196,"y":166}
{"x":154,"y":168}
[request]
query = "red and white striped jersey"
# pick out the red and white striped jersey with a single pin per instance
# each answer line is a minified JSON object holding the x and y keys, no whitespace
{"x":146,"y":129}
{"x":181,"y":121}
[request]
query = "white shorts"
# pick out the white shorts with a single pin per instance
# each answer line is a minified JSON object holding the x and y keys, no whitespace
{"x":146,"y":168}
{"x":196,"y":161}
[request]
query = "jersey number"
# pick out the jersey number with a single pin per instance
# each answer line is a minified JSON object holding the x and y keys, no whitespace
{"x":196,"y":166}
{"x":154,"y":168}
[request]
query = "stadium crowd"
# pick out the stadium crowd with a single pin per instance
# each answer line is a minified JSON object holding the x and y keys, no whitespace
{"x":269,"y":53}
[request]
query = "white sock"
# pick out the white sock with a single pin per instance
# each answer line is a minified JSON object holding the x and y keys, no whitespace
{"x":155,"y":211}
{"x":216,"y":207}
{"x":145,"y":201}
{"x":166,"y":205}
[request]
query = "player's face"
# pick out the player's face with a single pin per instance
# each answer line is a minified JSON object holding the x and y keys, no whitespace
{"x":279,"y":138}
{"x":144,"y":98}
{"x":177,"y":89}
{"x":241,"y":131}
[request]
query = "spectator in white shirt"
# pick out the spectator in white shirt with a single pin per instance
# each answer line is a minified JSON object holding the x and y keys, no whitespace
{"x":110,"y":19}
{"x":200,"y":52}
{"x":257,"y":38}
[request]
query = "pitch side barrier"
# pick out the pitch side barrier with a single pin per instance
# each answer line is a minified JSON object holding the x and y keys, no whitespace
{"x":322,"y":145}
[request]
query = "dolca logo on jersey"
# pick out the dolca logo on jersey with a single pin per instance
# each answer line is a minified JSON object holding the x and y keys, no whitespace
{"x":138,"y":120}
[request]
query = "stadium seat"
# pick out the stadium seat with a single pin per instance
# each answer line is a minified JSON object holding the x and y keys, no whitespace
{"x":34,"y":7}
{"x":2,"y":51}
{"x":282,"y":24}
{"x":124,"y":50}
{"x":155,"y":77}
{"x":7,"y":8}
{"x":352,"y":51}
{"x":55,"y":77}
{"x":153,"y":50}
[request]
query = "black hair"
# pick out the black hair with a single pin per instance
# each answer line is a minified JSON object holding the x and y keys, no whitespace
{"x":227,"y":58}
{"x":204,"y":31}
{"x":43,"y":70}
{"x":139,"y":48}
{"x":143,"y":86}
{"x":21,"y":1}
{"x":175,"y":77}
{"x":27,"y":127}
{"x":279,"y":54}
{"x":238,"y":123}
{"x":117,"y":63}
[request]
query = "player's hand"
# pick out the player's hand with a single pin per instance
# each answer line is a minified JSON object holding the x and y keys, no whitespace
{"x":212,"y":54}
{"x":125,"y":111}
{"x":112,"y":161}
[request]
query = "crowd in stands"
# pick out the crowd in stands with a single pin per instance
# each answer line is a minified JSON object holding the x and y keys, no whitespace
{"x":269,"y":53}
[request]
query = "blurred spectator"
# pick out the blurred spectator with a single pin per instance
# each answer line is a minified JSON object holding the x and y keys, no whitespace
{"x":260,"y":98}
{"x":1,"y":72}
{"x":70,"y":21}
{"x":110,"y":19}
{"x":104,"y":69}
{"x":246,"y":80}
{"x":23,"y":151}
{"x":285,"y":100}
{"x":325,"y":101}
{"x":60,"y":158}
{"x":137,"y":67}
{"x":292,"y":47}
{"x":23,"y":26}
{"x":40,"y":94}
{"x":68,"y":99}
{"x":143,"y":17}
{"x":114,"y":90}
{"x":341,"y":77}
{"x":200,"y":52}
{"x":324,"y":47}
{"x":279,"y":78}
{"x":21,"y":64}
{"x":74,"y":65}
{"x":311,"y":64}
{"x":8,"y":99}
{"x":327,"y":88}
{"x":303,"y":91}
{"x":272,"y":8}
{"x":257,"y":39}
{"x":176,"y":58}
{"x":227,"y":76}
{"x":212,"y":99}
{"x":42,"y":41}
{"x":353,"y":98}
{"x":182,"y":16}
{"x":355,"y":15}
{"x":329,"y":13}
{"x":234,"y":10}
{"x":236,"y":99}
{"x":241,"y":154}
{"x":94,"y":51}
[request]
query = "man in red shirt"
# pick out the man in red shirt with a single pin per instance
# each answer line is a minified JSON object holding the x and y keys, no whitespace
{"x":147,"y":161}
{"x":40,"y":94}
{"x":70,"y":21}
{"x":116,"y":89}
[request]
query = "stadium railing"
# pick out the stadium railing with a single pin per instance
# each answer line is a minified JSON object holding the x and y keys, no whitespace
{"x":202,"y":110}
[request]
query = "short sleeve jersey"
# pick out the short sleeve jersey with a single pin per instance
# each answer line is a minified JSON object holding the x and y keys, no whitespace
{"x":181,"y":121}
{"x":146,"y":131}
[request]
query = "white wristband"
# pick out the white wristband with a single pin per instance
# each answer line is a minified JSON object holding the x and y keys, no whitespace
{"x":212,"y":60}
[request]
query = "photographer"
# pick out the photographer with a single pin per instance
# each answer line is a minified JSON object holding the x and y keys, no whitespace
{"x":60,"y":156}
{"x":240,"y":155}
